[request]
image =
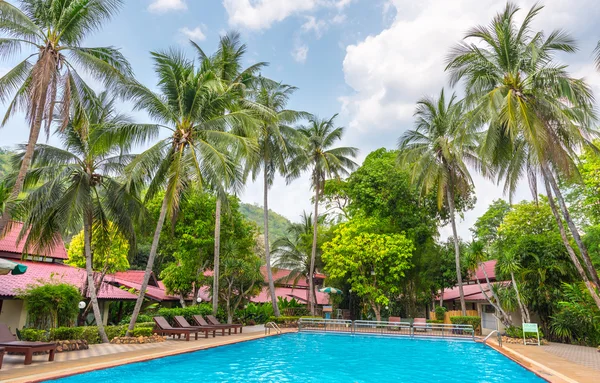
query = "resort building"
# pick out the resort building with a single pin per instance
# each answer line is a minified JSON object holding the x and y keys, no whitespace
{"x":287,"y":287}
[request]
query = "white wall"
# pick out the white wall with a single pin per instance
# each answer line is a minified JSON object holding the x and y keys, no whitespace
{"x":13,"y":314}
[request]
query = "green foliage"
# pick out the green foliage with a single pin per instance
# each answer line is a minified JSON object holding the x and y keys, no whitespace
{"x":517,"y":332}
{"x":440,"y":312}
{"x":486,"y":227}
{"x":255,"y":313}
{"x":142,"y":331}
{"x":285,"y":303}
{"x":5,"y":162}
{"x":52,"y":304}
{"x":278,"y":224}
{"x":70,"y":333}
{"x":288,"y":319}
{"x":583,"y":195}
{"x":578,"y":317}
{"x":371,"y":260}
{"x":188,"y":312}
{"x":435,"y":321}
{"x":33,"y":335}
{"x":141,"y":319}
{"x":468,"y":320}
{"x":110,"y":254}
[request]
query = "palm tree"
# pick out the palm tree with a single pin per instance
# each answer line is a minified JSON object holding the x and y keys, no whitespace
{"x":276,"y":144}
{"x":509,"y":264}
{"x":47,"y":79}
{"x":438,"y":151}
{"x":79,"y":184}
{"x":597,"y":55}
{"x":324,"y":162}
{"x":530,"y":103}
{"x":226,"y":63}
{"x":190,"y":105}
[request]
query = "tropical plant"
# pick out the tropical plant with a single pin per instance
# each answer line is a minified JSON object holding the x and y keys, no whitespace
{"x":78,"y":186}
{"x":109,"y":257}
{"x":537,"y":114}
{"x":578,"y":319}
{"x":197,"y":153}
{"x":276,"y":145}
{"x":323,"y":161}
{"x":51,"y":304}
{"x":53,"y":30}
{"x":508,"y":263}
{"x":438,"y":151}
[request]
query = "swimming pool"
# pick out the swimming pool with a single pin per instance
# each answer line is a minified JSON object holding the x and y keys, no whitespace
{"x":312,"y":357}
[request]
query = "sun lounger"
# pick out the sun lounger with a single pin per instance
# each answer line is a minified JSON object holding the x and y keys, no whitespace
{"x":10,"y":343}
{"x":162,"y":327}
{"x":183,"y":323}
{"x":1,"y":356}
{"x":395,"y":319}
{"x":214,"y":321}
{"x":420,"y":324}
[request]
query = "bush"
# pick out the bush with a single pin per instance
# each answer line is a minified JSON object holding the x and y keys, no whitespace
{"x":517,"y":332}
{"x":33,"y":335}
{"x":287,"y":319}
{"x":142,"y":318}
{"x":188,"y":312}
{"x":255,"y":313}
{"x":51,"y":305}
{"x":440,"y":312}
{"x":435,"y":320}
{"x":68,"y":333}
{"x":142,"y":331}
{"x":468,"y":320}
{"x":143,"y":324}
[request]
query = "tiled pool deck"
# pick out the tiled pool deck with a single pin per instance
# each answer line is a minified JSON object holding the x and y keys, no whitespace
{"x":556,"y":363}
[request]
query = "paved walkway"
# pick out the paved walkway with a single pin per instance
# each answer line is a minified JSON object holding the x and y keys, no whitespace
{"x":586,"y":356}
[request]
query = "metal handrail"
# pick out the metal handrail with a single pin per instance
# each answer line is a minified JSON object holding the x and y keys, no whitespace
{"x":492,"y":333}
{"x":272,"y":325}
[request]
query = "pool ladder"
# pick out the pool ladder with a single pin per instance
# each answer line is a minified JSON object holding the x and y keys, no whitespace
{"x":492,"y":333}
{"x":272,"y":325}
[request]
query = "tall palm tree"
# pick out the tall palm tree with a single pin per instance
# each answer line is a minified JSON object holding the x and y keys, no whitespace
{"x":190,"y":105}
{"x":276,"y":145}
{"x":226,"y":63}
{"x":47,"y":79}
{"x":79,"y":184}
{"x":324,"y":162}
{"x":530,"y":103}
{"x":438,"y":151}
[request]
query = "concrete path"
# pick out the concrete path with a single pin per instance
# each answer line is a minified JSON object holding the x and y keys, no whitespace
{"x":586,"y":356}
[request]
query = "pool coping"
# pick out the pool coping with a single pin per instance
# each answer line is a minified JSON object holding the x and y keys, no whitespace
{"x":67,"y":372}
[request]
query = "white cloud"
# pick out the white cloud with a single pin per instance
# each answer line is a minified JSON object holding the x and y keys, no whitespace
{"x":389,"y":71}
{"x":195,"y":34}
{"x":300,"y":52}
{"x":315,"y":25}
{"x":261,"y":14}
{"x":161,"y":6}
{"x":338,"y":19}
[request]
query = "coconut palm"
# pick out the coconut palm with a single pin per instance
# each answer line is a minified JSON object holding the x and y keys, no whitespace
{"x":437,"y":153}
{"x":190,"y":105}
{"x":226,"y":63}
{"x":47,"y":78}
{"x":530,"y":103}
{"x":79,"y":185}
{"x":597,"y":56}
{"x":276,"y":144}
{"x":324,"y":162}
{"x":509,"y":264}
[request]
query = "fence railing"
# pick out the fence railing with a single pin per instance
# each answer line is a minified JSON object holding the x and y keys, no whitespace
{"x":439,"y":330}
{"x":453,"y":313}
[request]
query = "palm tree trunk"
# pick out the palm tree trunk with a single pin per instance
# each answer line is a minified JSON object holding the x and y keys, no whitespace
{"x":87,"y":235}
{"x":565,"y":240}
{"x":503,"y":317}
{"x":34,"y":134}
{"x":582,"y":248}
{"x":441,"y":299}
{"x":524,"y":311}
{"x":487,"y":280}
{"x":149,"y":265}
{"x":313,"y":255}
{"x":450,"y":196}
{"x":215,"y":297}
{"x":267,"y":253}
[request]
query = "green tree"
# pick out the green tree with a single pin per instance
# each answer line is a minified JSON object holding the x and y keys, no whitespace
{"x":323,"y":161}
{"x":109,"y":257}
{"x":486,"y":227}
{"x":371,"y":261}
{"x":276,"y":144}
{"x":78,"y":187}
{"x":53,"y":31}
{"x":437,"y":152}
{"x":189,"y":104}
{"x":537,"y":114}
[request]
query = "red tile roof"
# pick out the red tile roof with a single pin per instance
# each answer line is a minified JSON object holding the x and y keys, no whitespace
{"x":137,"y":276}
{"x":282,"y":276}
{"x":156,"y":293}
{"x":472,"y":292}
{"x":8,"y":243}
{"x":490,"y":269}
{"x":289,"y":293}
{"x":41,"y":272}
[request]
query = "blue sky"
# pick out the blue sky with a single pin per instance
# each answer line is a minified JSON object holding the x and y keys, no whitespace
{"x":368,"y":60}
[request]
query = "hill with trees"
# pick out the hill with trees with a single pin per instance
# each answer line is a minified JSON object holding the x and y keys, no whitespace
{"x":278,"y":224}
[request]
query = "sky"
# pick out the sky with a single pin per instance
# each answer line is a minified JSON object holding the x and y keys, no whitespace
{"x":367,"y":60}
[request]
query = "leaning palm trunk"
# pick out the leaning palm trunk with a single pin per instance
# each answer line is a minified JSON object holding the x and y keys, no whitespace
{"x":149,"y":265}
{"x":267,"y":253}
{"x":582,"y":248}
{"x":450,"y":196}
{"x":522,"y":307}
{"x":500,"y":313}
{"x":87,"y":234}
{"x":215,"y":296}
{"x":565,"y":240}
{"x":487,"y":280}
{"x":311,"y":272}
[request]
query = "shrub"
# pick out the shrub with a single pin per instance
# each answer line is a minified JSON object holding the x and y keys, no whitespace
{"x":33,"y":335}
{"x":51,"y":305}
{"x":143,"y":324}
{"x":67,"y":333}
{"x":517,"y":332}
{"x":142,"y":331}
{"x":472,"y":320}
{"x":255,"y":313}
{"x":435,"y":320}
{"x":142,"y":318}
{"x":440,"y":312}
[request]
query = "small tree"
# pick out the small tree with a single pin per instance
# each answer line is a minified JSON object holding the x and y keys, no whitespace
{"x":110,"y":254}
{"x":51,"y":305}
{"x":371,"y":261}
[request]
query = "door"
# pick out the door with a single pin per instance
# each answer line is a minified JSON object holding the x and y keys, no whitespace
{"x":488,"y":320}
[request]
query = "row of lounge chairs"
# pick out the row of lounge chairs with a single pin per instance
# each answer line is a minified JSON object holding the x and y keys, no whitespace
{"x":185,"y":329}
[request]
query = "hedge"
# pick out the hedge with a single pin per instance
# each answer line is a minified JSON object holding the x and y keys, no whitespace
{"x":87,"y":333}
{"x":468,"y":320}
{"x":435,"y":321}
{"x":142,"y":318}
{"x":188,"y":312}
{"x":517,"y":332}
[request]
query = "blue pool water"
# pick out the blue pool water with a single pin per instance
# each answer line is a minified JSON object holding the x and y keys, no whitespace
{"x":327,"y":358}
